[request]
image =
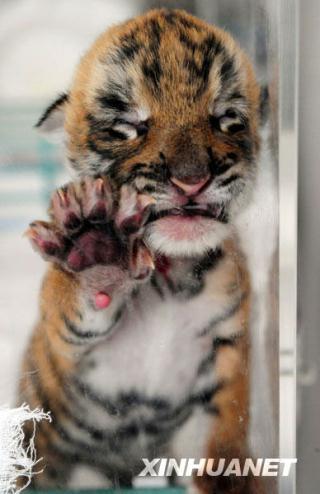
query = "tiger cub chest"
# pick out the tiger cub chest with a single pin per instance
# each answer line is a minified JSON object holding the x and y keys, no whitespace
{"x":158,"y":352}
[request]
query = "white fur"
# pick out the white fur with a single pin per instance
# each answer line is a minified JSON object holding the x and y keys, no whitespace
{"x":97,"y":320}
{"x":137,"y":115}
{"x":161,"y":335}
{"x":164,"y":244}
{"x":127,"y":129}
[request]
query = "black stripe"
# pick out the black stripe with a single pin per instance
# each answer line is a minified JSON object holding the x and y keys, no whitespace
{"x":236,"y":127}
{"x":171,"y":285}
{"x":106,"y":154}
{"x":173,"y":17}
{"x":229,"y":180}
{"x":207,"y":363}
{"x":231,"y":311}
{"x":149,"y":189}
{"x":227,"y":70}
{"x":156,"y":286}
{"x":245,"y":144}
{"x":164,"y":422}
{"x":221,"y":341}
{"x":153,"y":73}
{"x":170,"y":16}
{"x":37,"y":387}
{"x":45,"y":401}
{"x":208,"y":262}
{"x":218,"y":166}
{"x":161,"y":426}
{"x":151,"y":66}
{"x":210,"y":48}
{"x":149,"y":175}
{"x":69,"y":399}
{"x":205,"y":396}
{"x":206,"y":50}
{"x":156,"y":32}
{"x":88,"y":393}
{"x":129,"y":47}
{"x":103,"y":131}
{"x":112,"y":101}
{"x":127,"y":400}
{"x":123,"y":403}
{"x":79,"y":446}
{"x":233,"y":157}
{"x":188,"y":42}
{"x":212,"y":409}
{"x":121,"y":154}
{"x":236,"y":95}
{"x":117,"y":135}
{"x":154,"y":171}
{"x":84,"y":337}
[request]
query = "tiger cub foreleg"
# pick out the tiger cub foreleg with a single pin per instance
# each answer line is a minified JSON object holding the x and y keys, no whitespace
{"x":216,"y":435}
{"x":227,"y":443}
{"x":95,"y":266}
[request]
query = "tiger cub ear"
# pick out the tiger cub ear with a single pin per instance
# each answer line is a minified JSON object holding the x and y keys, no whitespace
{"x":51,"y":123}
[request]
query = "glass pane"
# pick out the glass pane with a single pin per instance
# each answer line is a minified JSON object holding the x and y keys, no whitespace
{"x":180,"y":356}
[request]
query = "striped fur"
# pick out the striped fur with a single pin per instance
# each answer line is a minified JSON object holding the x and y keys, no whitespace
{"x":164,"y":369}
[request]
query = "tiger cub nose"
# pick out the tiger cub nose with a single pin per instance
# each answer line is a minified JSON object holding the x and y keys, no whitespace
{"x":190,"y":189}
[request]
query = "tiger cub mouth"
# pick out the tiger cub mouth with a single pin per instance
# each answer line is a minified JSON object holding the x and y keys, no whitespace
{"x":212,"y":211}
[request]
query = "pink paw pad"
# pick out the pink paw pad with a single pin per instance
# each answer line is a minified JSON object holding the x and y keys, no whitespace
{"x":102,"y":300}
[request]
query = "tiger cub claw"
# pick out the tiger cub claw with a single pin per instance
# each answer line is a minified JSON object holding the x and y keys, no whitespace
{"x":134,"y":210}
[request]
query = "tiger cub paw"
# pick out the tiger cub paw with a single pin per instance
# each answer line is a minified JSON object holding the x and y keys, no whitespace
{"x":89,"y":228}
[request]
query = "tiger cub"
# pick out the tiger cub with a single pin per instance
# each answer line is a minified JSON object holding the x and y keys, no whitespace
{"x":141,"y":349}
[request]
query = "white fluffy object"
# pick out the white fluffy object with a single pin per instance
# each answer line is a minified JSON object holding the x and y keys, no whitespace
{"x":17,"y":459}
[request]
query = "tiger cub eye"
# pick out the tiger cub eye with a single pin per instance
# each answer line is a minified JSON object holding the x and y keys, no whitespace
{"x":230,"y":122}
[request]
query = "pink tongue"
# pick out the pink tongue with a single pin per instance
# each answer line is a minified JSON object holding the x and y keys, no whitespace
{"x":102,"y":300}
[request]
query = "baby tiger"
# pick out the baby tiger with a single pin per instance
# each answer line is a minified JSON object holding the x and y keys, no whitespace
{"x":141,"y":349}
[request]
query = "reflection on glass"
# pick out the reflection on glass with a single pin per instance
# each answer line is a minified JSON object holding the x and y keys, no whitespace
{"x":109,"y":362}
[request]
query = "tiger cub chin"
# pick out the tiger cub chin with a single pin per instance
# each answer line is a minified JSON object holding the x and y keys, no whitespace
{"x":141,"y":347}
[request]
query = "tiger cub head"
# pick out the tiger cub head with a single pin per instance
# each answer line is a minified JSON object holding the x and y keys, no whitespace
{"x":168,"y":104}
